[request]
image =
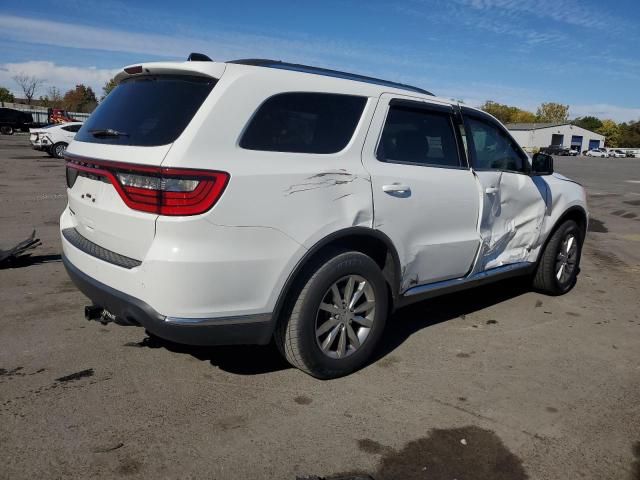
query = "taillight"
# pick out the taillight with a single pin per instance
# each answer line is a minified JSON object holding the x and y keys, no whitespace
{"x":159,"y":190}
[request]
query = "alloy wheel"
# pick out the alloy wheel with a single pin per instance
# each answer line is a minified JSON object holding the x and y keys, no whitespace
{"x":60,"y":149}
{"x":566,"y":259}
{"x":345,"y":316}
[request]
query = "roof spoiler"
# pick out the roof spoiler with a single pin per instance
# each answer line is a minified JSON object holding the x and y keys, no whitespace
{"x":198,"y":57}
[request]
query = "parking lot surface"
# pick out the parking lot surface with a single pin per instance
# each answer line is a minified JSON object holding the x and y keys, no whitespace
{"x":494,"y":383}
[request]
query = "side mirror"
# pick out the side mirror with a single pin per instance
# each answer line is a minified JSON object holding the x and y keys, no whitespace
{"x":542,"y":164}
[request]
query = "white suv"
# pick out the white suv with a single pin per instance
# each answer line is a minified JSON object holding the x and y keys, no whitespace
{"x":235,"y":203}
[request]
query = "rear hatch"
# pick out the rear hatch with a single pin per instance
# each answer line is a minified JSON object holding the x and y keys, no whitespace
{"x":116,"y":185}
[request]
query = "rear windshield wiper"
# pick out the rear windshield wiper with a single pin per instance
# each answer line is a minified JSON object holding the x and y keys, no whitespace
{"x":107,"y":132}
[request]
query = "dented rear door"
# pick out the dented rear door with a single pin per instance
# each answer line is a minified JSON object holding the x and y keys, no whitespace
{"x":425,"y":197}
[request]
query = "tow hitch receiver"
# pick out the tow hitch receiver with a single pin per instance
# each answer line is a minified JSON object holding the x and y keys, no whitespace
{"x":93,"y":312}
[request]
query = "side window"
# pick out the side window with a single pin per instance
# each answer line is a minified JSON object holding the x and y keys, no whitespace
{"x":495,"y":150}
{"x":304,"y":122}
{"x":418,"y":136}
{"x":72,"y":128}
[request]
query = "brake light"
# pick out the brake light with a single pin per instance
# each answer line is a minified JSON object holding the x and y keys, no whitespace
{"x":159,"y":190}
{"x":133,"y":70}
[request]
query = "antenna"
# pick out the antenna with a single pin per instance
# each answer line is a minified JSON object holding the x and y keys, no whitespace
{"x":198,"y":57}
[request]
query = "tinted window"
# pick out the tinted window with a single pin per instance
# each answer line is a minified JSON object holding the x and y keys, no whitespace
{"x":418,"y":136}
{"x":304,"y":123}
{"x":148,"y":111}
{"x":494,"y":149}
{"x":72,"y":128}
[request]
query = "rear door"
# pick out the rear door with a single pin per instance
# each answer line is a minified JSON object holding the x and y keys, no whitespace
{"x":135,"y":125}
{"x":513,"y":202}
{"x":425,"y":197}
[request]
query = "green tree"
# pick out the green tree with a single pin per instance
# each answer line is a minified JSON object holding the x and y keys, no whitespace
{"x":80,"y":99}
{"x":553,"y":112}
{"x":6,"y":95}
{"x":588,"y":122}
{"x":507,"y":113}
{"x":523,"y":116}
{"x":611,"y":130}
{"x":630,"y":135}
{"x":108,"y":86}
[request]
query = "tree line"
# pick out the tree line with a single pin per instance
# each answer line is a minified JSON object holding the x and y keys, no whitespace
{"x":617,"y":134}
{"x":80,"y":99}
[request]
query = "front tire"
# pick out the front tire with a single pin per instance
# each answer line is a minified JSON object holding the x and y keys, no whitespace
{"x":335,"y":317}
{"x":6,"y":130}
{"x":559,"y":264}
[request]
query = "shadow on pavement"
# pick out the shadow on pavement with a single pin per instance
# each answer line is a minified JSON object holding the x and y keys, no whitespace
{"x":256,"y":359}
{"x":413,"y":318}
{"x":28,"y":260}
{"x":238,"y":359}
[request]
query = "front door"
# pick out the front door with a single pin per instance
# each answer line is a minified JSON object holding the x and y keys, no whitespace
{"x":425,"y":196}
{"x":513,"y":202}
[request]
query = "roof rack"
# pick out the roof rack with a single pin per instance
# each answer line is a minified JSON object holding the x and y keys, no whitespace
{"x":261,"y":62}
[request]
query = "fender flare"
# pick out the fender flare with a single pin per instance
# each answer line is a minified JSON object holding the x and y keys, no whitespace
{"x":350,"y":232}
{"x":568,"y":212}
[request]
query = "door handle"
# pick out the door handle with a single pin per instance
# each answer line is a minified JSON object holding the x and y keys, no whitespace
{"x":396,"y":188}
{"x":491,"y":190}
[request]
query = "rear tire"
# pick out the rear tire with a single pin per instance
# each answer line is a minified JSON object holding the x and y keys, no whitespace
{"x":58,"y":149}
{"x":336,"y":315}
{"x":6,"y":130}
{"x":559,"y":263}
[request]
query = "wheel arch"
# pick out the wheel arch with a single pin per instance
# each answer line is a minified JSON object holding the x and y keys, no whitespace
{"x":371,"y":242}
{"x":575,"y":213}
{"x":54,"y":147}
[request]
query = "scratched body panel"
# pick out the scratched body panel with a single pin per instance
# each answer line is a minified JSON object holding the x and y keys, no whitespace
{"x":299,"y":198}
{"x":434,"y":224}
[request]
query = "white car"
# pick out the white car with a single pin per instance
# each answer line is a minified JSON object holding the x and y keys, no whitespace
{"x":617,"y":154}
{"x":54,"y":139}
{"x":597,"y":152}
{"x":235,"y":203}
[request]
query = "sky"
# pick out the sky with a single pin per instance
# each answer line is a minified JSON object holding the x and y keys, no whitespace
{"x":520,"y":52}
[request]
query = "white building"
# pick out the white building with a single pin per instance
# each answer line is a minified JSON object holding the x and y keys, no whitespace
{"x":537,"y":135}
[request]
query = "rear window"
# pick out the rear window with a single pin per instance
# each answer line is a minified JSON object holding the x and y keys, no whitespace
{"x":418,"y":136}
{"x":304,"y":122}
{"x":146,"y":111}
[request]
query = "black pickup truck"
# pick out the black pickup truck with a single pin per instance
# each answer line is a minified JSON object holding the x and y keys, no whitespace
{"x":558,"y":150}
{"x":12,"y":120}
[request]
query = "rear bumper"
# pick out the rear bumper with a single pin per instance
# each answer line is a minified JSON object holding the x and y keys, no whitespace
{"x":250,"y":329}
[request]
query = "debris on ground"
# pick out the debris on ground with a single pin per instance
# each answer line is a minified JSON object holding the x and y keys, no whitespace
{"x":20,"y":251}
